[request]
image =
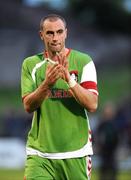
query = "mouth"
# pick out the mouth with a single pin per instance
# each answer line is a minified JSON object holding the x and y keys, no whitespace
{"x":53,"y":44}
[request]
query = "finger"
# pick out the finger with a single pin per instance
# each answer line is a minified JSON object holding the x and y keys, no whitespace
{"x":55,"y":76}
{"x":48,"y":67}
{"x":55,"y":71}
{"x":52,"y":67}
{"x":66,"y":64}
{"x":65,"y":61}
{"x":59,"y":57}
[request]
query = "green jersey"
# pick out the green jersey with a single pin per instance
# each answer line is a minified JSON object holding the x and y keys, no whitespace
{"x":60,"y":126}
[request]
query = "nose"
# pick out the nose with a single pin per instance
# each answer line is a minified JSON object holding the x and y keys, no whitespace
{"x":55,"y":37}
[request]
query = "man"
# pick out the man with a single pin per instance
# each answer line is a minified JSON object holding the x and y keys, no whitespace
{"x":107,"y":142}
{"x":59,"y":86}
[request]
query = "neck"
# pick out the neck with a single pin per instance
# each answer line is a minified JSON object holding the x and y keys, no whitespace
{"x":53,"y":54}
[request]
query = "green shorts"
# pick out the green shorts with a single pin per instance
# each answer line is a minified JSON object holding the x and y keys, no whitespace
{"x":38,"y":168}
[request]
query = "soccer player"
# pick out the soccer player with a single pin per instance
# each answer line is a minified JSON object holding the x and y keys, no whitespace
{"x":59,"y":86}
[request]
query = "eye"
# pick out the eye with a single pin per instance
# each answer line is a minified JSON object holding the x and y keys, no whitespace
{"x":60,"y":31}
{"x":50,"y":33}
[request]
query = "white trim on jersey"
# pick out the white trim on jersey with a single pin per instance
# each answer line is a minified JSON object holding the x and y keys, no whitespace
{"x":89,"y":134}
{"x":88,"y":167}
{"x":38,"y":65}
{"x":84,"y":151}
{"x":89,"y":73}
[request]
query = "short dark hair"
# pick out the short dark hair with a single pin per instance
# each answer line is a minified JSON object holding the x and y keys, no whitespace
{"x":51,"y":17}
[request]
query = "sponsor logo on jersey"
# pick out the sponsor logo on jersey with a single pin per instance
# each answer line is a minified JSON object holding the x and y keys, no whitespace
{"x":61,"y":93}
{"x":74,"y":75}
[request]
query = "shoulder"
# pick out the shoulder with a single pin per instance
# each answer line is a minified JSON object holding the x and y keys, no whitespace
{"x":80,"y":58}
{"x":81,"y":55}
{"x":32,"y":60}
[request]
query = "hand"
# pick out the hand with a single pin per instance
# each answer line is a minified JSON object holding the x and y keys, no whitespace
{"x":53,"y":73}
{"x":62,"y":59}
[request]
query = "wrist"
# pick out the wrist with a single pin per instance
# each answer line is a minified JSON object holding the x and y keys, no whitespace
{"x":46,"y":85}
{"x":72,"y":83}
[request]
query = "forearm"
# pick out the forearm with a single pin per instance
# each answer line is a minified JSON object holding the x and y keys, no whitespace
{"x":33,"y":100}
{"x":85,"y":97}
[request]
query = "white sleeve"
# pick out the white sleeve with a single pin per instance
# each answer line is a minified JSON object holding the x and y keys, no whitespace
{"x":89,"y":77}
{"x":89,"y":73}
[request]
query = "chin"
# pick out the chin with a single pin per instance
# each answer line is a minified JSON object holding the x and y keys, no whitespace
{"x":56,"y":50}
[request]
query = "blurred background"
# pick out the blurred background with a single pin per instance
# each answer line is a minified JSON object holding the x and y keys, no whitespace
{"x":103,"y":30}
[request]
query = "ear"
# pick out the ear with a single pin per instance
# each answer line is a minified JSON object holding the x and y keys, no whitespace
{"x":41,"y":36}
{"x":66,"y":33}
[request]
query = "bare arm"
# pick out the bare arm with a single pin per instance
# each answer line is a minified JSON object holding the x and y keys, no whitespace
{"x":33,"y":100}
{"x":85,"y":97}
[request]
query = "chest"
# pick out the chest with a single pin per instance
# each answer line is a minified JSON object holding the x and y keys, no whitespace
{"x":74,"y":69}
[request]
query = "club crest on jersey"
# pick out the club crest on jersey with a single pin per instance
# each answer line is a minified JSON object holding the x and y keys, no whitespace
{"x":74,"y":75}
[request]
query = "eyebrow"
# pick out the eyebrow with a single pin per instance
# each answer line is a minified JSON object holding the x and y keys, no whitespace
{"x":52,"y":32}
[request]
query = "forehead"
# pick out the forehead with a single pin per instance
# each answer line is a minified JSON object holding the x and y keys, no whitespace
{"x":53,"y":25}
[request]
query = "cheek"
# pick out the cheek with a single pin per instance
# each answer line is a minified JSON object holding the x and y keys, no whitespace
{"x":63,"y":38}
{"x":65,"y":35}
{"x":47,"y":40}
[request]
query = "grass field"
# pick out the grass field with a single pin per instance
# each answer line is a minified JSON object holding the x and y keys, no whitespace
{"x":18,"y":175}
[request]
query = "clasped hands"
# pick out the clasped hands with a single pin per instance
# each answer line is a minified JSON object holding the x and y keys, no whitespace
{"x":58,"y":70}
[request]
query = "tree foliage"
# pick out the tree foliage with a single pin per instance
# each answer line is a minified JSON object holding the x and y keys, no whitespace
{"x":107,"y":14}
